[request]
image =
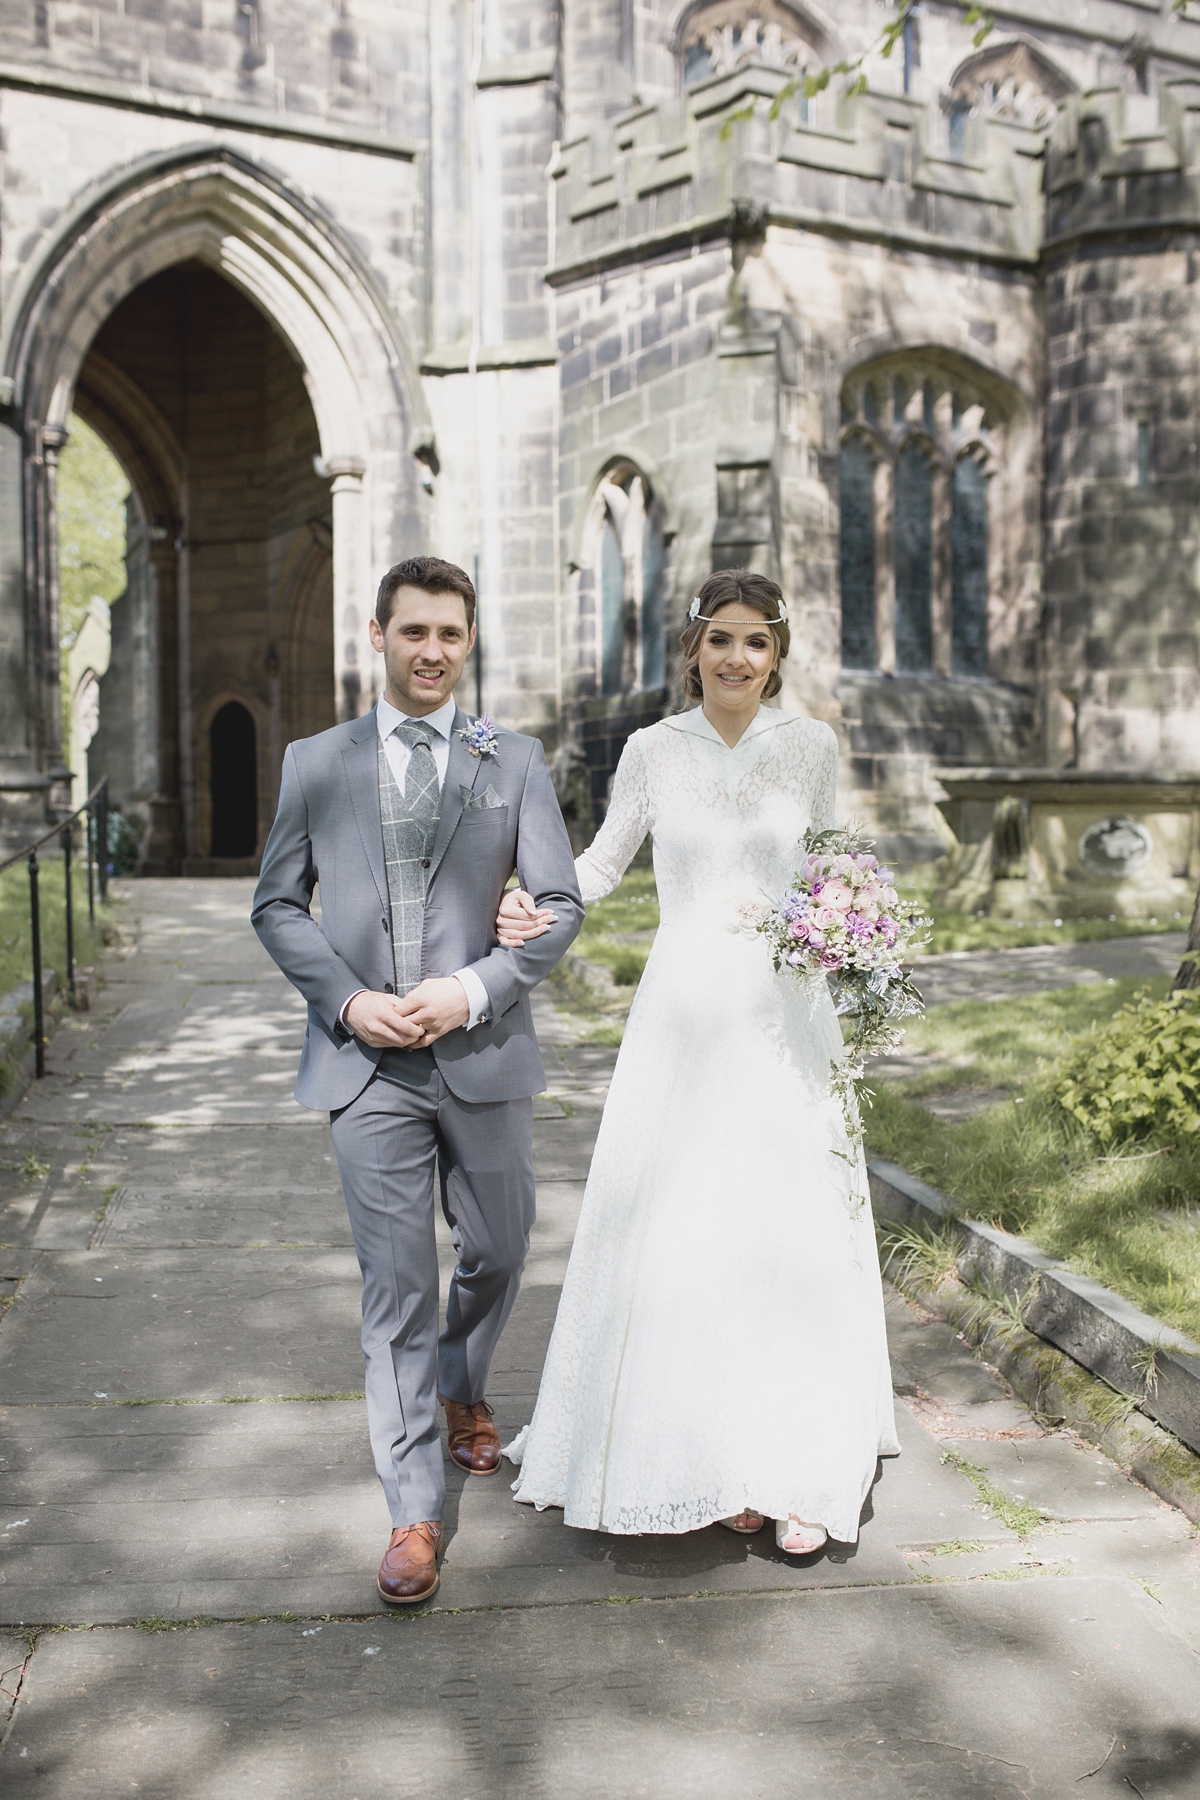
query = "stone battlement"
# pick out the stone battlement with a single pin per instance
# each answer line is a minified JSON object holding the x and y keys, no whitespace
{"x":1109,"y":160}
{"x":882,"y":171}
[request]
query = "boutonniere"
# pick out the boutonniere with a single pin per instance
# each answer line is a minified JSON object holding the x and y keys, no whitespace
{"x":480,"y":738}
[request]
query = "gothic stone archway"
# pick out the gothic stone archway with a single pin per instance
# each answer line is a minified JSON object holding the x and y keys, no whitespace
{"x":212,"y":214}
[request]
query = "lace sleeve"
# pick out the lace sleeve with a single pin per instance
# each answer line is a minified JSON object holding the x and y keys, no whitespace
{"x":824,"y":793}
{"x":626,"y":823}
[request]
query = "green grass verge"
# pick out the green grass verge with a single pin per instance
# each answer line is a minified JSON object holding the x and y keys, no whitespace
{"x":1025,"y":1166}
{"x":15,"y":949}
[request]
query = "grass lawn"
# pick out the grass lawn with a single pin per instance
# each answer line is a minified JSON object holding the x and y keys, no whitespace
{"x":1129,"y":1219}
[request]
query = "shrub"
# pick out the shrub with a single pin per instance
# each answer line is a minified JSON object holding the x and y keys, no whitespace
{"x":1140,"y":1076}
{"x":124,"y":843}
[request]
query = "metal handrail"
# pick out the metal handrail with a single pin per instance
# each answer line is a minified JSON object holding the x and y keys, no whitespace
{"x":96,"y":809}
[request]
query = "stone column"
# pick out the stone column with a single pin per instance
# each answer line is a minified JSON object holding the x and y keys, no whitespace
{"x":22,"y":783}
{"x":353,"y":590}
{"x":52,"y":438}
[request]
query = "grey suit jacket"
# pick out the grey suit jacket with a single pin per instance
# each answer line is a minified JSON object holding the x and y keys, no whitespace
{"x":328,"y":830}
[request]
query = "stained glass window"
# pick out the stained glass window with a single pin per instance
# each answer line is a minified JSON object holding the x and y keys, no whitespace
{"x":914,"y":562}
{"x":968,"y":569}
{"x":857,"y":555}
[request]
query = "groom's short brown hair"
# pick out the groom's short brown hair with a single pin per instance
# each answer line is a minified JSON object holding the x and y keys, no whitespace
{"x":430,"y":574}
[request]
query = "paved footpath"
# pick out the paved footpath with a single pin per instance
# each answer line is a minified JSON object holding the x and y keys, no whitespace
{"x":187,"y":1493}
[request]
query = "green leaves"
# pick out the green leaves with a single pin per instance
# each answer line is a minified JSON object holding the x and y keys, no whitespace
{"x":1140,"y":1076}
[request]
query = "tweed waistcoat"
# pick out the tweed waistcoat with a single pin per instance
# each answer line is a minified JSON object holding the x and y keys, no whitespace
{"x":410,"y":822}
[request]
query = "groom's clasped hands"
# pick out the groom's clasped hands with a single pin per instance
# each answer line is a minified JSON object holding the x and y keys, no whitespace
{"x":438,"y":1005}
{"x":409,"y":1021}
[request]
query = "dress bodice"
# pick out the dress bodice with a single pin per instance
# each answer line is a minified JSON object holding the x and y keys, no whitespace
{"x":726,"y":823}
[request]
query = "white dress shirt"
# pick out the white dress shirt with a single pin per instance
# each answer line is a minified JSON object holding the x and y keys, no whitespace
{"x":440,"y":724}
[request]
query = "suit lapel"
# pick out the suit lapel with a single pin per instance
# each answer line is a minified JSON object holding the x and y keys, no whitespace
{"x":462,"y":771}
{"x":361,"y":759}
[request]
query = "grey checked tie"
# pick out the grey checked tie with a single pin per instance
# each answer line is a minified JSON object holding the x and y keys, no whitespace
{"x":422,"y":796}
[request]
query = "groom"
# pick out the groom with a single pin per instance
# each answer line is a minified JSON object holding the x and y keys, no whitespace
{"x":420,"y":1041}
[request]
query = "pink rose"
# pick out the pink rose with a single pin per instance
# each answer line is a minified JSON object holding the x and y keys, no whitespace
{"x":837,"y":895}
{"x":816,"y":938}
{"x":826,"y":919}
{"x":831,"y":959}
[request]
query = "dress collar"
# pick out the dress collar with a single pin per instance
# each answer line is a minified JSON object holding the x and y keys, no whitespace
{"x":695,"y":722}
{"x":387,"y":718}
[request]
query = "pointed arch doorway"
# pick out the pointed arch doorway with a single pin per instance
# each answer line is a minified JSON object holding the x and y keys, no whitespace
{"x":235,"y":353}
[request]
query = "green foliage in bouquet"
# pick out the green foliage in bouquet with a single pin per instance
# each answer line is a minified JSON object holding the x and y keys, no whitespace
{"x":1139,"y":1077}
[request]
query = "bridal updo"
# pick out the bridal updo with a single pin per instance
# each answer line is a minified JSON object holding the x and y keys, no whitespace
{"x":734,"y":587}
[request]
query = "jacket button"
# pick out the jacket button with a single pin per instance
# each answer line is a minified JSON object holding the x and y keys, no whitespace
{"x":384,"y":923}
{"x":388,"y":988}
{"x":425,"y":861}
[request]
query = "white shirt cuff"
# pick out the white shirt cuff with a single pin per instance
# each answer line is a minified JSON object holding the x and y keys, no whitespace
{"x":341,"y":1018}
{"x":479,"y":1004}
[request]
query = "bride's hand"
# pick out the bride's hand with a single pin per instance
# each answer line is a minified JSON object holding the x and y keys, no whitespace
{"x":520,"y":920}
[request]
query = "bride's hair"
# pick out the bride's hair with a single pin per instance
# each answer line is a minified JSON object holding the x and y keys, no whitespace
{"x":735,"y":587}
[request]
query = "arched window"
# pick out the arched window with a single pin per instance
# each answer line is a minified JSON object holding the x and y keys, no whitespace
{"x":913,"y":531}
{"x":716,"y":37}
{"x":233,"y":781}
{"x":629,"y":581}
{"x":923,"y":438}
{"x":1014,"y":81}
{"x":857,"y":555}
{"x":968,"y":568}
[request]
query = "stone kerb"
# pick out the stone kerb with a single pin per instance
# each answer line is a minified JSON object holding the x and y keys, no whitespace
{"x":1137,"y":1355}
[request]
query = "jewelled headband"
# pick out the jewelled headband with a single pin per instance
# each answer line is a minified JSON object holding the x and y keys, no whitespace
{"x":694,"y":614}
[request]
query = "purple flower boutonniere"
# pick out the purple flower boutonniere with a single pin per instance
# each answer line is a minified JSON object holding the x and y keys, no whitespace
{"x":480,"y":738}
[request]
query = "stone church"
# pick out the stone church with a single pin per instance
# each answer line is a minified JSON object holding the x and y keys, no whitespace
{"x":586,"y":296}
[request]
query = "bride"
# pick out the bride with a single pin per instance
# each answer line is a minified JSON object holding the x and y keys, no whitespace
{"x":719,"y":1351}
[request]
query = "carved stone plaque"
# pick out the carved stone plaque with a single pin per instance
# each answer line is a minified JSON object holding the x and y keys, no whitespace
{"x":1115,"y":847}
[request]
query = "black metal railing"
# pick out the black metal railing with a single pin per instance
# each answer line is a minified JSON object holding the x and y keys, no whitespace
{"x":94,"y":812}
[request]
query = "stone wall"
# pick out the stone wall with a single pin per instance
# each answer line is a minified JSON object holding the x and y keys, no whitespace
{"x":1121,"y":644}
{"x":511,"y":260}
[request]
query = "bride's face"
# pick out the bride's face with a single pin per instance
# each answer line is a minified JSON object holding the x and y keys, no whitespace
{"x":736,"y":658}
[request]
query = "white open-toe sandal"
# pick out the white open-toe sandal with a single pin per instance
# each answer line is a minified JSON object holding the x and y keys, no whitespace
{"x":798,"y":1539}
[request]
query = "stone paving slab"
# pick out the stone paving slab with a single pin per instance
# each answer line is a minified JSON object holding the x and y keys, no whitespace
{"x":1036,"y":968}
{"x":982,"y":1691}
{"x":1062,"y":1478}
{"x":230,"y":1216}
{"x":116,"y":1513}
{"x":178,"y":1324}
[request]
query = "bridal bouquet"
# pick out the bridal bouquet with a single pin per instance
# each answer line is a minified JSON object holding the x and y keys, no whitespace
{"x":842,"y":919}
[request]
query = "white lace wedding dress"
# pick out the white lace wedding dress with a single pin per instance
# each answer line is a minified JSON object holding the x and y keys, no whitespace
{"x":720,"y":1338}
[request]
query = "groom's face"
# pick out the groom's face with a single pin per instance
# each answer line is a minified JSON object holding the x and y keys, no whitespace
{"x":424,"y":646}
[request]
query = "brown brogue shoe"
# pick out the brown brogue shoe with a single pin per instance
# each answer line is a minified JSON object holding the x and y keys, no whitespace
{"x":408,"y":1573}
{"x":474,"y":1440}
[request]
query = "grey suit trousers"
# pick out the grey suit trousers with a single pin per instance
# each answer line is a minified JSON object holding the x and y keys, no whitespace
{"x":391,"y":1142}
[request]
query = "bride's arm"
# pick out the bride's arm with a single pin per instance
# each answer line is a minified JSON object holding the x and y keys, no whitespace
{"x":602,"y":864}
{"x":626,"y":823}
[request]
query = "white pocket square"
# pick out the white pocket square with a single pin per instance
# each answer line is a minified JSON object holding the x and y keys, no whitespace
{"x":485,"y":802}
